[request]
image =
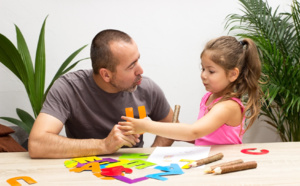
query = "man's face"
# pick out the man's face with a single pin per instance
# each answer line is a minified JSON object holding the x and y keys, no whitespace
{"x":128,"y":72}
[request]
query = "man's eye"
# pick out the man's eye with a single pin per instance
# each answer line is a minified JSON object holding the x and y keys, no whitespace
{"x":132,"y":66}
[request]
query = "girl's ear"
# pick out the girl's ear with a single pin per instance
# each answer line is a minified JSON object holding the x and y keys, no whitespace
{"x":233,"y":74}
{"x":105,"y":74}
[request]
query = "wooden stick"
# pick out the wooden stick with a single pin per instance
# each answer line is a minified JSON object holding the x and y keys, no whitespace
{"x":236,"y":167}
{"x":176,"y":114}
{"x":211,"y":168}
{"x":207,"y":160}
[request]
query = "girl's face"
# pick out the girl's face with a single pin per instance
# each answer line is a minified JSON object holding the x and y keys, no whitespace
{"x":213,"y":76}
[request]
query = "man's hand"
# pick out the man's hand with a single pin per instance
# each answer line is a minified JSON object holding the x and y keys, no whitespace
{"x":45,"y":141}
{"x":116,"y":139}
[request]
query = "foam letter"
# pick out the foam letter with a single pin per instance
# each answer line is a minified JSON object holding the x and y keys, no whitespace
{"x":14,"y":182}
{"x":169,"y":170}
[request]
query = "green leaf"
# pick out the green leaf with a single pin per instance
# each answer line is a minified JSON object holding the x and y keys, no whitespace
{"x":73,"y":65}
{"x":24,"y":52}
{"x":40,"y":68}
{"x":67,"y":62}
{"x":9,"y":55}
{"x":25,"y":117}
{"x":17,"y":122}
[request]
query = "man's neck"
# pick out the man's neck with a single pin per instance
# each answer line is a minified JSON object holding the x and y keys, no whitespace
{"x":103,"y":85}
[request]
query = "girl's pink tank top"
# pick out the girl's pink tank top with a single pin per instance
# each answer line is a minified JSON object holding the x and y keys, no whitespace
{"x":225,"y":134}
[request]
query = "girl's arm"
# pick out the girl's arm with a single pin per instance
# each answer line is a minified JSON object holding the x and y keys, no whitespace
{"x":228,"y":112}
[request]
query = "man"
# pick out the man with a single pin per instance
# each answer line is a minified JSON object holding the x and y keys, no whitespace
{"x":91,"y":102}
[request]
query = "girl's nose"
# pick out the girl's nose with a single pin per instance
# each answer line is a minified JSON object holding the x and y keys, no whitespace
{"x":203,"y":76}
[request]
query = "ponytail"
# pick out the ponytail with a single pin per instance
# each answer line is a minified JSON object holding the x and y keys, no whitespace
{"x":249,"y":76}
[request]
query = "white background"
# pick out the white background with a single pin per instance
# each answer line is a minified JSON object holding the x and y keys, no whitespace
{"x":170,"y":35}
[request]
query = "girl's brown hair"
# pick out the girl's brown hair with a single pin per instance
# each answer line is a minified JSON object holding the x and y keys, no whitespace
{"x":230,"y":53}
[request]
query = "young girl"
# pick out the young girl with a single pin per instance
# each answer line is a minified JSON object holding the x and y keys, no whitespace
{"x":230,"y":69}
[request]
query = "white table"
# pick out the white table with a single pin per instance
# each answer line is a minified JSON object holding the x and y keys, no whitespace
{"x":281,"y":166}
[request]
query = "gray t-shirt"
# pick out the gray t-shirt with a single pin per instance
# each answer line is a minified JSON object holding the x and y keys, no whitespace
{"x":89,"y":112}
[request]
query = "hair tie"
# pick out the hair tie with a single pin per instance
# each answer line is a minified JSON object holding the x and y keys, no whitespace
{"x":242,"y":43}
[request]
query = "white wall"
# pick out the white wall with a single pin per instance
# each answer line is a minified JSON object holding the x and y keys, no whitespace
{"x":170,"y":35}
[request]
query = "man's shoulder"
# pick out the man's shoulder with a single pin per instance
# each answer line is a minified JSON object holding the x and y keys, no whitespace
{"x":72,"y":79}
{"x":75,"y":75}
{"x":148,"y":86}
{"x":148,"y":82}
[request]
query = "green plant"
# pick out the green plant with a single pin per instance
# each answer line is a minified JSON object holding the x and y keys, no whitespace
{"x":18,"y":61}
{"x":277,"y":36}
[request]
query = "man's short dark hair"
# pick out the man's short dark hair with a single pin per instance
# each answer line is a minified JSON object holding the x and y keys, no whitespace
{"x":101,"y":54}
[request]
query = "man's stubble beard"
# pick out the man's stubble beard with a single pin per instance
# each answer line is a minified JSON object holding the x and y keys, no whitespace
{"x":123,"y":89}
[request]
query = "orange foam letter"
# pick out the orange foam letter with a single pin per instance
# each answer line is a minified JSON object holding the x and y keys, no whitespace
{"x":14,"y":182}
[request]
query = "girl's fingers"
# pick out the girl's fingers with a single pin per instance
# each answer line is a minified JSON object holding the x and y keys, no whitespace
{"x":126,"y":130}
{"x":122,"y":127}
{"x":127,"y":133}
{"x":126,"y":118}
{"x":122,"y":123}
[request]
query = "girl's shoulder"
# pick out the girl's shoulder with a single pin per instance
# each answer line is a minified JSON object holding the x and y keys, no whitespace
{"x":230,"y":100}
{"x":230,"y":110}
{"x":232,"y":105}
{"x":237,"y":100}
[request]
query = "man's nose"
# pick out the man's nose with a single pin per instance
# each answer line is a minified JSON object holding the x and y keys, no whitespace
{"x":139,"y":70}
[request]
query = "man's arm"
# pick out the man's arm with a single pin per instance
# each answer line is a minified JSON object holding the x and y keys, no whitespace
{"x":45,"y":142}
{"x":161,"y":141}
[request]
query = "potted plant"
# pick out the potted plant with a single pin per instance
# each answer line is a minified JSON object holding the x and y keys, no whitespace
{"x":18,"y":61}
{"x":277,"y":36}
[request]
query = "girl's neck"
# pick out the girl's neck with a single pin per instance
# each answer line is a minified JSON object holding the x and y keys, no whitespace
{"x":217,"y":95}
{"x":214,"y":96}
{"x":211,"y":98}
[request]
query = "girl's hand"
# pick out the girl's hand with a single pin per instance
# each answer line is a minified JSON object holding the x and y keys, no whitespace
{"x":132,"y":126}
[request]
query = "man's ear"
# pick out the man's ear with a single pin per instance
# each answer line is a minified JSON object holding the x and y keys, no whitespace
{"x":234,"y":74}
{"x":105,"y":74}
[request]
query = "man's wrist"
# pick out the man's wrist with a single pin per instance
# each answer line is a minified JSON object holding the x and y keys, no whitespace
{"x":162,"y":142}
{"x":101,"y":147}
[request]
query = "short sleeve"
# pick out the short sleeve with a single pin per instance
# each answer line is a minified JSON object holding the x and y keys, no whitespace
{"x":56,"y":102}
